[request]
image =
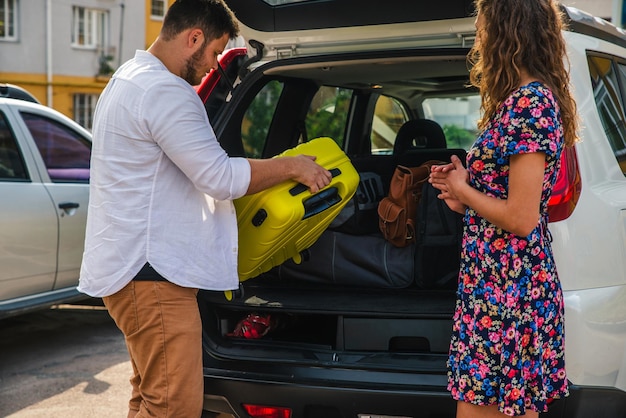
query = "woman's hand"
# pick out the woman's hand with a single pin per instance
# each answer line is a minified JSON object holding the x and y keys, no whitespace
{"x":448,"y":179}
{"x":518,"y":213}
{"x":456,"y":205}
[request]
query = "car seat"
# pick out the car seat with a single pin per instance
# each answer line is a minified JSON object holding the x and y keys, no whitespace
{"x":419,"y":134}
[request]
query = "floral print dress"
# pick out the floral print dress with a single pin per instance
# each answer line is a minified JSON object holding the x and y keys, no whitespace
{"x":507,"y":347}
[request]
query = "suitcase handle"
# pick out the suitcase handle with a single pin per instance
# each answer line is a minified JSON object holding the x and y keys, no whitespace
{"x":321,"y":201}
{"x":299,"y":188}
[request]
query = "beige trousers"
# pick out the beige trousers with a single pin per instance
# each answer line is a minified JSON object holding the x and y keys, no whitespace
{"x":161,"y":324}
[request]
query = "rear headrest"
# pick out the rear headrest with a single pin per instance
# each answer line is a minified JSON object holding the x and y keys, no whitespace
{"x":417,"y":134}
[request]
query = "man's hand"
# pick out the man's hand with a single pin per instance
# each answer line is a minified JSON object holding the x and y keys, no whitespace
{"x":268,"y":172}
{"x":311,"y":174}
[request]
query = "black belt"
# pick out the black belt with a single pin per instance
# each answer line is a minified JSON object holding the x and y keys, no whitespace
{"x":148,"y":274}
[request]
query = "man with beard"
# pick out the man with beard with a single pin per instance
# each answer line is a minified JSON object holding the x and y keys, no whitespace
{"x":161,"y":223}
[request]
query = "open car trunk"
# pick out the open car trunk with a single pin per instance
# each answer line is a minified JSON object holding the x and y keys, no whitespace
{"x":348,"y":320}
{"x":359,"y":314}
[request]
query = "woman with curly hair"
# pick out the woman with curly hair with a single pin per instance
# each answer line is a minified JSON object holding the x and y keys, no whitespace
{"x":507,"y":347}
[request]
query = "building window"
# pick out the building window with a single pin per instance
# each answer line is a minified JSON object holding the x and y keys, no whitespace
{"x":158,"y":8}
{"x":8,"y":20}
{"x":84,"y":105}
{"x":90,"y":27}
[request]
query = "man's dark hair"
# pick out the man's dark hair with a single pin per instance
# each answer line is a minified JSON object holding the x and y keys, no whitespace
{"x":213,"y":17}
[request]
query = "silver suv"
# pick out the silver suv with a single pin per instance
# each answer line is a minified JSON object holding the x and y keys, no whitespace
{"x":355,"y":330}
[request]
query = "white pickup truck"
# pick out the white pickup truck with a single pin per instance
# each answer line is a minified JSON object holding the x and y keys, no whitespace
{"x":44,"y":191}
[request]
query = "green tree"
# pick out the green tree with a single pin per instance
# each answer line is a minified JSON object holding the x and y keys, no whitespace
{"x":258,"y":117}
{"x":328,"y":118}
{"x":457,"y":137}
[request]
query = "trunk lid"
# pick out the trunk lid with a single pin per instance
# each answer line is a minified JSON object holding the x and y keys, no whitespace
{"x":290,"y":28}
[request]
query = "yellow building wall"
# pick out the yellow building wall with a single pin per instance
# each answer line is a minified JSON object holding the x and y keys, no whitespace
{"x":63,"y":88}
{"x":34,"y":83}
{"x":153,"y":26}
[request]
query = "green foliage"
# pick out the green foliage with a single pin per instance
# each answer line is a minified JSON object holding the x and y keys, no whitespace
{"x":258,"y":118}
{"x":326,"y":117}
{"x":329,"y":118}
{"x":104,"y":65}
{"x":457,"y":137}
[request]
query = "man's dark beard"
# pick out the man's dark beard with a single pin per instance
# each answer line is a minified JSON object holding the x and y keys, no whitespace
{"x":190,"y":73}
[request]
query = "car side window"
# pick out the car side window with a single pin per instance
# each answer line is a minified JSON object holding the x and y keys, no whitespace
{"x":457,"y":116}
{"x":65,"y":152}
{"x":328,"y":114}
{"x":610,"y":103}
{"x":12,"y":166}
{"x":389,"y":116}
{"x":258,"y":117}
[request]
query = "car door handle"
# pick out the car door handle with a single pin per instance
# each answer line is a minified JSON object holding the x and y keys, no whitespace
{"x":68,"y":205}
{"x":68,"y":208}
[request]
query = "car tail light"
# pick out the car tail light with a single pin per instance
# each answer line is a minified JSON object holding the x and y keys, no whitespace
{"x":567,"y":188}
{"x":209,"y":81}
{"x":262,"y":411}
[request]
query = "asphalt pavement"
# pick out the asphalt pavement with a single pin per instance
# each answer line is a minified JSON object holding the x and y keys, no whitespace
{"x":65,"y":362}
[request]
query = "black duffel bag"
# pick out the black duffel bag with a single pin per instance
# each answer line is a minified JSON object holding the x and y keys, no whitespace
{"x":354,"y":260}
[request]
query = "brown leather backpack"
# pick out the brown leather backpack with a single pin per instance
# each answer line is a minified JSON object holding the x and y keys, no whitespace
{"x":397,"y":213}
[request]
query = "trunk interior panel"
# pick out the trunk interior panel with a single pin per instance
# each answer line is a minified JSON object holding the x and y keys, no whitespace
{"x":406,"y":328}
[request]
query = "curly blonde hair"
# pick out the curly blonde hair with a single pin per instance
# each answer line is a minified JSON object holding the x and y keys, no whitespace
{"x":521,"y":35}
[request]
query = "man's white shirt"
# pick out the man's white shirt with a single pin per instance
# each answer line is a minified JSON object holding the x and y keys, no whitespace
{"x":161,"y":186}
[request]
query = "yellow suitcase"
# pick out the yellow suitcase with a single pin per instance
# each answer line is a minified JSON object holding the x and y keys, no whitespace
{"x":280,"y":222}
